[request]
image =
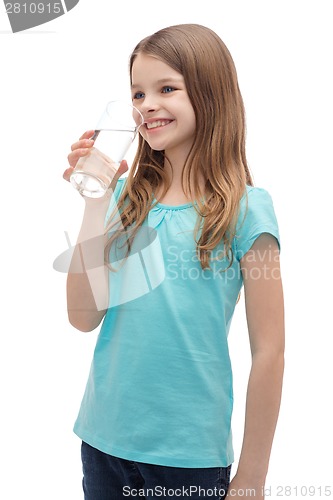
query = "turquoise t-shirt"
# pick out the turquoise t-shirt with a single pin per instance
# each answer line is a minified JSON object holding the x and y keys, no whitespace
{"x":160,"y":385}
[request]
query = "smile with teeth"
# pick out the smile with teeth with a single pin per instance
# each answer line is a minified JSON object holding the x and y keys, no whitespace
{"x":158,"y":123}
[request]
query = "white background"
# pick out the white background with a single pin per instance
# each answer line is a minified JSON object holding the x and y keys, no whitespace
{"x":55,"y":80}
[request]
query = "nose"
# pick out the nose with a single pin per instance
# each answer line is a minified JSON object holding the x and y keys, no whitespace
{"x":149,"y":105}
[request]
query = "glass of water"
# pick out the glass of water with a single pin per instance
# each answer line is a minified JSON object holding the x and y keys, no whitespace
{"x":114,"y":134}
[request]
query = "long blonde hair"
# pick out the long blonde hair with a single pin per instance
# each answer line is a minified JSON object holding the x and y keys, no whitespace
{"x":218,"y":151}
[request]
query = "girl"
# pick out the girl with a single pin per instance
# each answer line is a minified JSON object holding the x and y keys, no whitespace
{"x":155,"y":420}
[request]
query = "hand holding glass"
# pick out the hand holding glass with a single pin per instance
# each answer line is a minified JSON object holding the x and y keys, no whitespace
{"x":114,"y":134}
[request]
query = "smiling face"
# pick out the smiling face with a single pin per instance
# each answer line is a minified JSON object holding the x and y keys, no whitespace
{"x":159,"y":92}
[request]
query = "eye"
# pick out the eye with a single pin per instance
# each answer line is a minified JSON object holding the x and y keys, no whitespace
{"x":138,"y":95}
{"x":167,"y":89}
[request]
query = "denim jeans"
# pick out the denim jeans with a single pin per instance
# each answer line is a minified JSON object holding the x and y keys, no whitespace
{"x":110,"y":478}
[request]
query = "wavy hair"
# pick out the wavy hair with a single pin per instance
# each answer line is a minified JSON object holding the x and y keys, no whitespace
{"x":218,"y":150}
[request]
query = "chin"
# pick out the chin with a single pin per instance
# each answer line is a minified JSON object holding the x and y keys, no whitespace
{"x":157,"y":147}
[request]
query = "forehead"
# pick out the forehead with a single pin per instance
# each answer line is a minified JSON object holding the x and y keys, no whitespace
{"x":149,"y":69}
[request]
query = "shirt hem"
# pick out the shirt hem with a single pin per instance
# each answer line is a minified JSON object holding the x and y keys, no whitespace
{"x":151,"y":459}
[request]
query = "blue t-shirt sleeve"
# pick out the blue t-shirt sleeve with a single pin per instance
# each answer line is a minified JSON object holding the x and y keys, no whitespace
{"x":257,"y":216}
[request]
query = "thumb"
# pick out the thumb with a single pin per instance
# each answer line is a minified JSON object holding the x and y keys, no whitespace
{"x":123,"y":167}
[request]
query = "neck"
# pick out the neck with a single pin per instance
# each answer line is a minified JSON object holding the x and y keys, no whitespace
{"x":173,"y":168}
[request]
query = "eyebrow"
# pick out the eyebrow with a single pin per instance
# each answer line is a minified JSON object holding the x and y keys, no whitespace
{"x":162,"y":80}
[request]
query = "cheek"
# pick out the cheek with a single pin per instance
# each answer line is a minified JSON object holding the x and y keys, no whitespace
{"x":191,"y":117}
{"x":192,"y":123}
{"x":142,"y":132}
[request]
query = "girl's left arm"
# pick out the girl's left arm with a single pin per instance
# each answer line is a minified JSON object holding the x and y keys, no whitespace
{"x":265,"y":318}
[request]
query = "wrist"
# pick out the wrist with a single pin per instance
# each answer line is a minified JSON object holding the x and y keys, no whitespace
{"x":97,"y":204}
{"x":243,"y":485}
{"x":93,"y":222}
{"x":252,"y":476}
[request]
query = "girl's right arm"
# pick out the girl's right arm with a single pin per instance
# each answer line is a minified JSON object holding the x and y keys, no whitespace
{"x":87,"y":280}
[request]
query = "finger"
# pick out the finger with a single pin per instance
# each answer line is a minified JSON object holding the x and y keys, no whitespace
{"x":87,"y":134}
{"x":86,"y":140}
{"x":66,"y":175}
{"x":82,"y":143}
{"x":75,"y":155}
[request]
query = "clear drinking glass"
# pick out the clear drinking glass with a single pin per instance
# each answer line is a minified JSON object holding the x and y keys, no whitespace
{"x":114,"y":134}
